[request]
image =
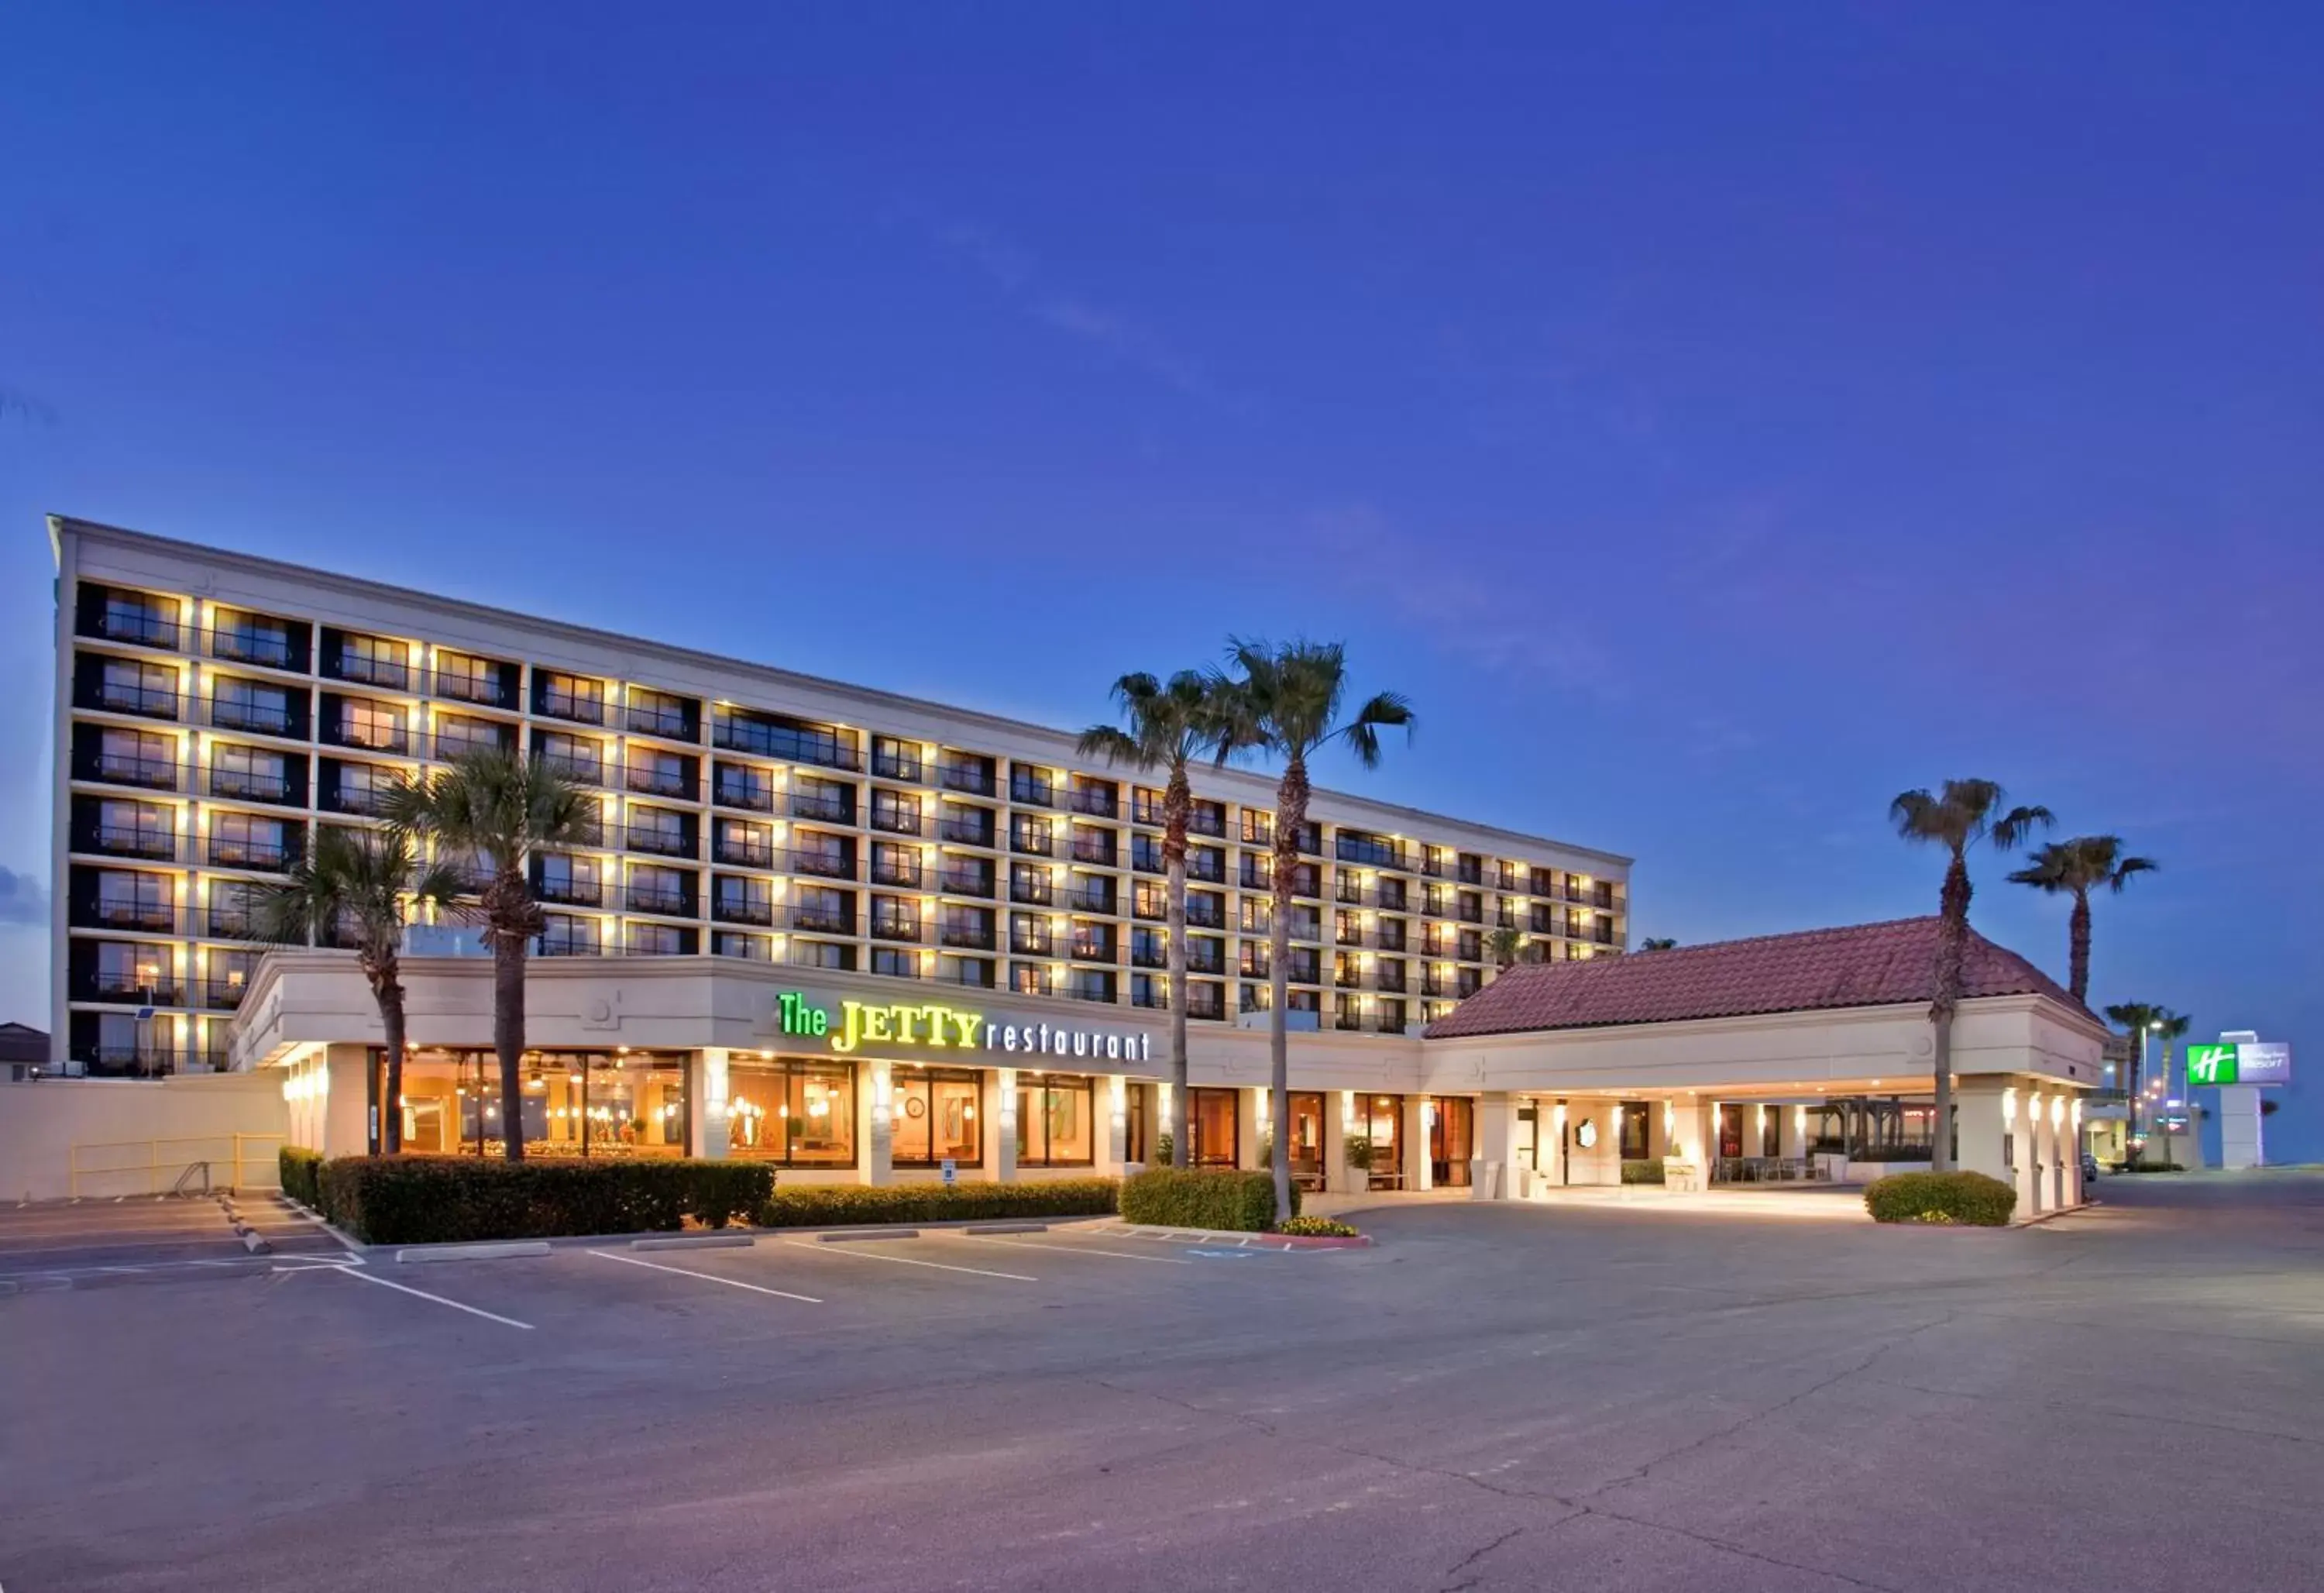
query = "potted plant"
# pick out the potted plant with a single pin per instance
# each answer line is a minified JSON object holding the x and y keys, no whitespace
{"x":1360,"y":1163}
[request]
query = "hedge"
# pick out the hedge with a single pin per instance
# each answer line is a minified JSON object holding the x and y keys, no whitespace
{"x":425,"y":1200}
{"x":301,"y":1173}
{"x":1210,"y":1198}
{"x":1969,"y":1197}
{"x":822,"y":1205}
{"x":1635,"y":1171}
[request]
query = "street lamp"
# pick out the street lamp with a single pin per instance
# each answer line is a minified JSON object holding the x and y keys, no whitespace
{"x":2154,"y":1026}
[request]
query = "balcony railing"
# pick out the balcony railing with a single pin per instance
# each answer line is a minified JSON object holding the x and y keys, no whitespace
{"x":1036,"y":940}
{"x":1091,"y":899}
{"x":134,"y":1062}
{"x":1032,"y":794}
{"x":258,"y":719}
{"x":152,"y":918}
{"x":1204,"y":914}
{"x":1098,"y":853}
{"x":966,"y":832}
{"x":905,"y":928}
{"x":825,"y":809}
{"x":459,"y":686}
{"x":389,"y":674}
{"x":972,"y":778}
{"x":743,"y":852}
{"x":662,"y":843}
{"x":265,"y":648}
{"x":1091,"y":990}
{"x":152,"y":702}
{"x":570,"y":892}
{"x":729,"y":909}
{"x":579,"y":707}
{"x":962,"y":882}
{"x":966,"y":937}
{"x":670,"y":901}
{"x":904,"y":768}
{"x":581,"y":770}
{"x":668,"y":723}
{"x":905,"y":874}
{"x":162,"y":990}
{"x":658,"y":780}
{"x":146,"y":630}
{"x":222,"y":995}
{"x":1037,"y":891}
{"x":248,"y":786}
{"x":823,"y":865}
{"x":1032,"y":843}
{"x":818,"y":921}
{"x":741,"y":793}
{"x":158,"y":846}
{"x":1099,"y":800}
{"x":900,"y":821}
{"x":227,"y":852}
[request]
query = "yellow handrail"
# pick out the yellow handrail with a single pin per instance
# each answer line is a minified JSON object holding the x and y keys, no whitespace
{"x":160,"y":1167}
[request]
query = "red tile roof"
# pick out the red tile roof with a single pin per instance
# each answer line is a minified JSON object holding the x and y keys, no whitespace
{"x":1861,"y":965}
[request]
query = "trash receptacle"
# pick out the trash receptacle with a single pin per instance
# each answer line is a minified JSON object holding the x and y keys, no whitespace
{"x":1484,"y":1179}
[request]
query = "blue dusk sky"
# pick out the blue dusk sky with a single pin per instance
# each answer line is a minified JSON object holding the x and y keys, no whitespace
{"x":1716,"y":418}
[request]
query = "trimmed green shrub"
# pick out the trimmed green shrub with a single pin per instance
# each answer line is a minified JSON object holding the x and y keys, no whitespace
{"x":1637,"y":1171}
{"x":1319,"y":1227}
{"x":842,"y":1204}
{"x":2150,"y":1167}
{"x":1969,"y":1197}
{"x":427,"y":1200}
{"x":301,"y":1170}
{"x":1208,"y":1198}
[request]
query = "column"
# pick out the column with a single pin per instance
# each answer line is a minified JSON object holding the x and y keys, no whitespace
{"x":1113,"y":1091}
{"x":705,"y":1103}
{"x":1355,"y":1181}
{"x":2033,"y":1158}
{"x":1496,"y":1148}
{"x":1000,"y":1153}
{"x":2075,"y":1193}
{"x":1555,"y":1170}
{"x":877,"y":1121}
{"x":1419,"y":1113}
{"x":1165,"y":1121}
{"x":341,"y":1104}
{"x":1793,"y":1137}
{"x":1987,"y":1116}
{"x":1250,"y":1126}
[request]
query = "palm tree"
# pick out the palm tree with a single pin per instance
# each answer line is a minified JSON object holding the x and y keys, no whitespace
{"x":1657,"y":943}
{"x":355,"y":888}
{"x":2076,"y":867}
{"x":499,"y":807}
{"x":1506,"y":944}
{"x":1169,"y":726}
{"x":2135,"y":1016}
{"x":1968,"y":811}
{"x":1287,"y":701}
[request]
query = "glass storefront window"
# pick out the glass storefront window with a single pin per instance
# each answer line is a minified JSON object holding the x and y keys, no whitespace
{"x":1211,"y":1125}
{"x":939,"y":1116}
{"x":1451,"y":1139}
{"x":1054,"y":1128}
{"x":1308,"y":1137}
{"x":1137,"y":1128}
{"x":1637,"y":1130}
{"x":796,"y":1112}
{"x":1380,"y":1118}
{"x":573,"y":1104}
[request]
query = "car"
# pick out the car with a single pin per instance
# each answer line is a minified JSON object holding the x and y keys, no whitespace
{"x":2090,"y":1168}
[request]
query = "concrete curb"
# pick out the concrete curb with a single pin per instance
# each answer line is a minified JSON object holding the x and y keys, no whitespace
{"x":698,"y":1242}
{"x":1006,"y":1227}
{"x":1242,"y":1241}
{"x":854,"y":1236}
{"x":249,"y":1235}
{"x":501,"y":1250}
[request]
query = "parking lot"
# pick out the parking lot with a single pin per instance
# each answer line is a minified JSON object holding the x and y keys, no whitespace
{"x":1565,"y":1397}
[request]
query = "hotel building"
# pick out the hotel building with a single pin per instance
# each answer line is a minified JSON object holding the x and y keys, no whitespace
{"x":869,"y":937}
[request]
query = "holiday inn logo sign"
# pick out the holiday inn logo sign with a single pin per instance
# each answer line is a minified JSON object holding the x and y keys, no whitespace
{"x":934,"y":1026}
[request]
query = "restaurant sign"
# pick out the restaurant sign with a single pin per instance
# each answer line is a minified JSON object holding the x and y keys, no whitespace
{"x":936,"y":1026}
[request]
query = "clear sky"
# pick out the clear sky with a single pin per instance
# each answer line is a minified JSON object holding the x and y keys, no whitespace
{"x":1717,"y":418}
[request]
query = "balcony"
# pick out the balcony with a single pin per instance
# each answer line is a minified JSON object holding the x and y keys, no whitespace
{"x":1146,"y":955}
{"x":249,"y":785}
{"x":578,"y":707}
{"x":148,"y":918}
{"x":658,"y":780}
{"x":1470,"y":913}
{"x":1096,"y":851}
{"x":823,"y":865}
{"x":222,"y":995}
{"x":1100,"y":990}
{"x":752,"y":795}
{"x":1033,"y":843}
{"x":1032,"y":794}
{"x":965,"y":832}
{"x":1149,"y":904}
{"x":743,"y":851}
{"x":134,"y":1062}
{"x":389,"y":674}
{"x":567,"y":940}
{"x":745,"y":909}
{"x":135,"y":626}
{"x":151,"y":702}
{"x":1208,"y":868}
{"x":669,"y":901}
{"x":461,"y":686}
{"x":661,"y":842}
{"x":904,"y":873}
{"x":1091,"y":899}
{"x":667,"y":723}
{"x":1205,"y":1001}
{"x":1389,"y":983}
{"x":809,"y":919}
{"x":580,"y":770}
{"x":1205,"y":912}
{"x":1036,"y":890}
{"x":823,"y":807}
{"x":964,"y":882}
{"x":900,"y":820}
{"x":1370,"y":852}
{"x":972,"y":778}
{"x":904,"y":927}
{"x":904,"y":768}
{"x":1089,"y":948}
{"x":570,"y":892}
{"x":258,"y":719}
{"x":118,"y":985}
{"x":367,"y":802}
{"x":1202,"y":822}
{"x":1202,"y":961}
{"x":1145,"y":860}
{"x":272,"y":857}
{"x":966,"y":937}
{"x":156,"y":846}
{"x":1099,"y":801}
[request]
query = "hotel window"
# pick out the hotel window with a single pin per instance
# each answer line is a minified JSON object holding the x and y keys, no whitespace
{"x":823,"y":954}
{"x":568,"y":696}
{"x":657,"y":940}
{"x":976,"y":972}
{"x":363,"y":787}
{"x":892,"y":865}
{"x":793,"y":1113}
{"x":742,"y":785}
{"x":1147,"y":948}
{"x":744,"y":901}
{"x":895,"y":918}
{"x":895,"y":962}
{"x":1257,"y":915}
{"x":579,"y":758}
{"x":662,"y":773}
{"x":659,"y":829}
{"x":133,"y":901}
{"x":821,"y":911}
{"x":250,"y":638}
{"x":227,"y":976}
{"x":132,"y":617}
{"x":1029,"y":834}
{"x":1054,"y":1125}
{"x":829,"y":802}
{"x":1146,"y":854}
{"x":1212,"y":1134}
{"x":939,"y":1117}
{"x":896,"y":760}
{"x":750,"y":845}
{"x":247,"y":705}
{"x":231,"y":908}
{"x":1145,"y":806}
{"x":237,"y":840}
{"x":125,"y":970}
{"x":1033,"y":885}
{"x":750,"y":947}
{"x":377,"y":726}
{"x":1148,"y":899}
{"x":1031,"y":980}
{"x":569,"y":879}
{"x":375,"y":661}
{"x":140,"y":829}
{"x":457,"y":732}
{"x":137,"y":757}
{"x":895,"y":811}
{"x":568,"y":936}
{"x":659,"y":889}
{"x":1090,"y":984}
{"x":1258,"y":827}
{"x":1208,"y":863}
{"x":1149,"y":990}
{"x":812,"y":852}
{"x":130,"y":687}
{"x":1035,"y":787}
{"x":465,"y":678}
{"x":657,"y":713}
{"x":1306,"y":924}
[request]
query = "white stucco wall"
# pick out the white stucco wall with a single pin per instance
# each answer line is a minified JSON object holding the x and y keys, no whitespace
{"x":129,"y":1124}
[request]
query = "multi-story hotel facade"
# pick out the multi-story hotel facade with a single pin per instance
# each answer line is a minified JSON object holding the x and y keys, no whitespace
{"x":762,"y":834}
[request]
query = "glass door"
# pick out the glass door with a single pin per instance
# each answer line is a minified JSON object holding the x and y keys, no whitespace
{"x":1307,"y":1139}
{"x":1451,"y":1141}
{"x":1379,"y":1119}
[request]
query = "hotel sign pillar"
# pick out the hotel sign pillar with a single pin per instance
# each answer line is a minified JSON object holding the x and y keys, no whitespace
{"x":706,"y":1104}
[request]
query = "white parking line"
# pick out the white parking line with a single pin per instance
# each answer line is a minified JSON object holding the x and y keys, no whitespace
{"x":907,"y":1261}
{"x":708,"y":1277}
{"x":1077,"y":1250}
{"x":422,"y":1294}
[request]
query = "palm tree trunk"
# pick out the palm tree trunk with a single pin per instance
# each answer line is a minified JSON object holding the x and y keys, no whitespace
{"x":508,"y":936}
{"x":2077,"y":942}
{"x":1175,"y":801}
{"x":1952,"y":937}
{"x":1290,"y":813}
{"x":390,"y":991}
